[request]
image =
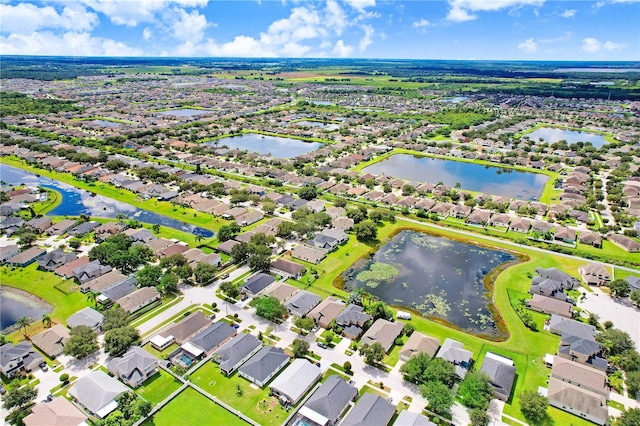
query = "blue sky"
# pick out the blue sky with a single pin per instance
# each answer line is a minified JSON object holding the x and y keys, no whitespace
{"x":448,"y":29}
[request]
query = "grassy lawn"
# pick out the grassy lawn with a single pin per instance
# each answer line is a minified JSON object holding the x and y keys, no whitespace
{"x":42,"y":284}
{"x":160,"y":354}
{"x":158,"y":387}
{"x":209,"y":378}
{"x":620,"y":273}
{"x":391,"y":359}
{"x":191,"y":408}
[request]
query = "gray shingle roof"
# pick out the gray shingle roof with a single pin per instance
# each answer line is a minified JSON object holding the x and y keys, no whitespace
{"x":236,"y":350}
{"x":257,"y":283}
{"x":264,"y":363}
{"x":371,"y":410}
{"x":296,"y":379}
{"x":407,"y":418}
{"x":132,"y":364}
{"x":211,"y":337}
{"x":96,"y":390}
{"x":302,"y":302}
{"x":502,"y":376}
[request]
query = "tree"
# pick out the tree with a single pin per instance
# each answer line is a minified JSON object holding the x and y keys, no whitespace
{"x":183,"y":272}
{"x":204,"y":273}
{"x":240,"y":253}
{"x":92,"y":296}
{"x":3,"y":340}
{"x":373,"y":353}
{"x":27,"y":239}
{"x":408,"y":329}
{"x":439,"y":396}
{"x":620,"y":288}
{"x":347,"y":367}
{"x":479,"y":418}
{"x":628,"y":360}
{"x":19,"y":397}
{"x":118,"y":340}
{"x":269,"y":308}
{"x":168,"y":283}
{"x":631,"y":417}
{"x":366,"y":230}
{"x":115,"y":317}
{"x":225,"y":233}
{"x":230,"y":289}
{"x":260,"y":258}
{"x":306,"y":323}
{"x":340,"y":202}
{"x":46,"y":320}
{"x":379,"y":310}
{"x":414,"y":369}
{"x":441,"y":370}
{"x":155,"y":228}
{"x":300,"y":348}
{"x":308,"y":192}
{"x":615,"y":341}
{"x":23,"y":323}
{"x":635,"y":297}
{"x":475,"y":391}
{"x":357,"y":215}
{"x":533,"y":406}
{"x":82,"y":342}
{"x":633,"y":383}
{"x":149,"y":276}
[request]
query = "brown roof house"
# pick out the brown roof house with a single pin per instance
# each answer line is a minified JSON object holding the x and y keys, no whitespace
{"x":58,"y":412}
{"x":52,"y":340}
{"x":139,"y":299}
{"x":27,"y":257}
{"x":383,"y":332}
{"x":288,"y":268}
{"x":550,"y":305}
{"x":187,"y":328}
{"x":419,"y":343}
{"x":308,"y":254}
{"x":580,"y":375}
{"x":594,"y":274}
{"x":576,"y":400}
{"x":281,"y":291}
{"x":326,"y":311}
{"x":626,"y":243}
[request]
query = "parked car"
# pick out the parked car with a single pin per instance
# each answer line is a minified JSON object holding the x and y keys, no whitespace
{"x":322,"y":345}
{"x":43,"y":366}
{"x":236,"y":326}
{"x":224,"y":276}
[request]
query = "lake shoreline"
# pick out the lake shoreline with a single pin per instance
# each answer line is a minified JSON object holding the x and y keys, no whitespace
{"x":26,"y":298}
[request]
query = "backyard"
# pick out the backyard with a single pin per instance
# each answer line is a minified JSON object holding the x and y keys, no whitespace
{"x":158,"y":387}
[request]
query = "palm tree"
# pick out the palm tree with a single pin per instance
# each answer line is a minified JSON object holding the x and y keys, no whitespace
{"x":198,"y":238}
{"x":46,"y":320}
{"x":121,"y":217}
{"x":155,"y":228}
{"x":23,"y":322}
{"x":92,"y":296}
{"x":364,"y":295}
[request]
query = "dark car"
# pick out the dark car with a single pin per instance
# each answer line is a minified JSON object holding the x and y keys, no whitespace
{"x":43,"y":366}
{"x":322,"y":345}
{"x":236,"y":326}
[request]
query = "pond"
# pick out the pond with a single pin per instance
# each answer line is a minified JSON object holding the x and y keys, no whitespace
{"x":309,"y":123}
{"x":77,"y":201}
{"x":551,"y":135}
{"x":455,"y":100}
{"x":470,"y":176}
{"x":435,"y":276}
{"x":184,"y":112}
{"x":107,"y":123}
{"x":277,"y":146}
{"x":17,"y":304}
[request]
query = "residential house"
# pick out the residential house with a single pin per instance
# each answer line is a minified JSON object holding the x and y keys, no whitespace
{"x":594,"y":274}
{"x":323,"y":242}
{"x":302,"y":302}
{"x":478,"y":217}
{"x":90,"y":271}
{"x":226,"y":246}
{"x":454,"y":352}
{"x":186,"y":328}
{"x":419,"y":343}
{"x":257,"y":283}
{"x":352,"y":320}
{"x":288,"y":268}
{"x":249,"y":218}
{"x":103,"y":281}
{"x":7,"y":252}
{"x":500,"y":220}
{"x":55,"y":259}
{"x":326,"y":311}
{"x":624,"y":242}
{"x":18,"y":358}
{"x":580,"y":375}
{"x":566,"y":280}
{"x":581,"y":402}
{"x":295,"y":381}
{"x":383,"y":332}
{"x":308,"y":254}
{"x":84,"y":228}
{"x":134,"y":367}
{"x":520,"y":224}
{"x":407,"y":418}
{"x":502,"y":374}
{"x":565,"y":235}
{"x":66,"y":271}
{"x":139,"y":299}
{"x":27,"y":257}
{"x":86,"y":316}
{"x":584,"y":350}
{"x":195,"y":256}
{"x":39,"y":224}
{"x":337,"y":234}
{"x":61,"y":227}
{"x":370,"y":410}
{"x":118,"y":290}
{"x":97,"y":392}
{"x":550,"y":305}
{"x":568,"y":327}
{"x":591,"y":238}
{"x":52,"y":340}
{"x":264,"y":365}
{"x":213,"y":337}
{"x":326,"y":405}
{"x":234,"y":353}
{"x":281,"y":291}
{"x":57,"y":412}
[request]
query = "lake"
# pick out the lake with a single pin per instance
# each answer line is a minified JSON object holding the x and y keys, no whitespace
{"x":277,"y":146}
{"x":77,"y":201}
{"x":308,"y":123}
{"x":107,"y":123}
{"x":471,"y":176}
{"x":17,"y":304}
{"x":454,"y":100}
{"x":435,"y":276}
{"x":185,"y":112}
{"x":551,"y":135}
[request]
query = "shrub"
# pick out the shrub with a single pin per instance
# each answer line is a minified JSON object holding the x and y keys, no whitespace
{"x":64,"y":377}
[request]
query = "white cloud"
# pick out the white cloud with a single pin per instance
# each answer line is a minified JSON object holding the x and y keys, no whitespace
{"x":342,"y":50}
{"x":421,"y":24}
{"x":367,"y":39}
{"x":243,"y":46}
{"x":147,"y":33}
{"x":188,"y":27}
{"x":131,"y":13}
{"x":335,"y":19}
{"x":463,"y":10}
{"x":529,"y":46}
{"x":26,"y":18}
{"x":65,"y":44}
{"x":593,"y":45}
{"x":568,"y":13}
{"x":361,"y":4}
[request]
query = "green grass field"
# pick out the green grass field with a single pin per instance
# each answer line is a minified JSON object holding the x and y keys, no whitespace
{"x":191,"y":408}
{"x":158,"y":387}
{"x":209,"y":378}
